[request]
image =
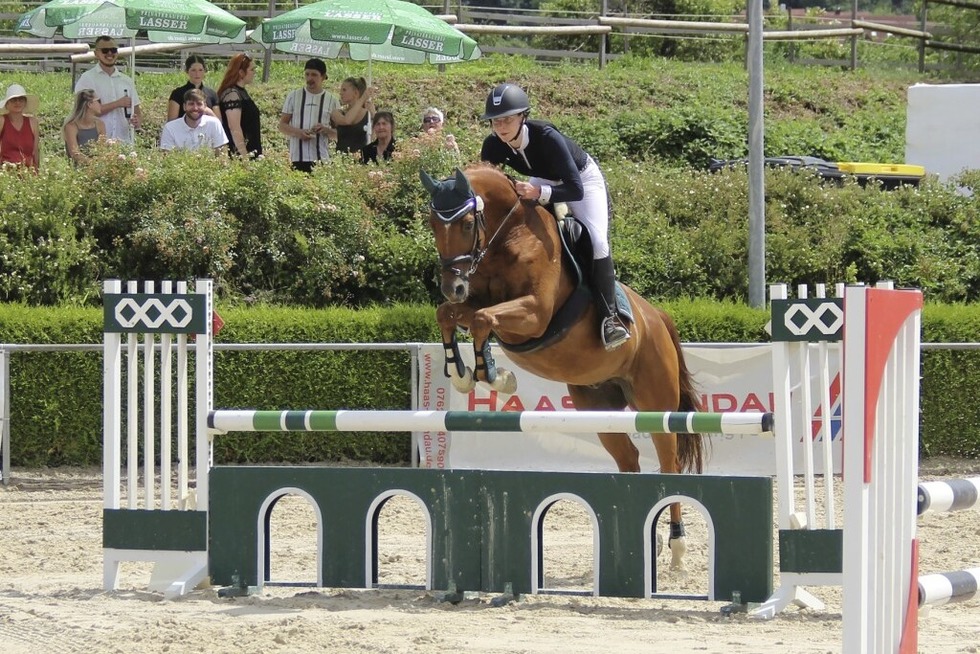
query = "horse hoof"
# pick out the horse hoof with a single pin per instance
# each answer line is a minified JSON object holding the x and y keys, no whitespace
{"x":678,"y":547}
{"x":464,"y":384}
{"x":506,"y":382}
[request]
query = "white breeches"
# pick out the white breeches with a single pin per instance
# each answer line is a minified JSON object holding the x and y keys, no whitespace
{"x":592,"y":210}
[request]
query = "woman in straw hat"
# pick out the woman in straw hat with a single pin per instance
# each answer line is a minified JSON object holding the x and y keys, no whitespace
{"x":20,"y":139}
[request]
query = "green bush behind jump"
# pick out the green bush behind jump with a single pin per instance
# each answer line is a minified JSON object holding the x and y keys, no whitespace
{"x":354,"y":235}
{"x":56,"y":413}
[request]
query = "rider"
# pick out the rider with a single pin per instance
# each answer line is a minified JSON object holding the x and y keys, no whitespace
{"x":559,"y":171}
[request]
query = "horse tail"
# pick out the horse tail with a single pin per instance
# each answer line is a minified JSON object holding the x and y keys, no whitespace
{"x":690,"y":447}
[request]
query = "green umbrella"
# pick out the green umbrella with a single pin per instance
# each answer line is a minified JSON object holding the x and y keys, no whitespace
{"x":372,"y":30}
{"x":165,"y":21}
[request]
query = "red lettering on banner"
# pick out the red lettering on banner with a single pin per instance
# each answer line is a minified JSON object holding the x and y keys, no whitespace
{"x":544,"y":404}
{"x":513,"y":404}
{"x":489,"y":402}
{"x":753,"y":403}
{"x":566,"y":403}
{"x":722,"y":402}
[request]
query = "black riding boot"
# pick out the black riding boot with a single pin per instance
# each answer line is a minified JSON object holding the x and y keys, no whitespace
{"x":613,"y":332}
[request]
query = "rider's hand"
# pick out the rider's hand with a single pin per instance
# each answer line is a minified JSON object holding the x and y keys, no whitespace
{"x":528,"y":191}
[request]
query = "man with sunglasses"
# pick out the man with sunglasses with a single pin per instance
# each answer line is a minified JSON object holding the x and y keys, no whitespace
{"x":121,"y":111}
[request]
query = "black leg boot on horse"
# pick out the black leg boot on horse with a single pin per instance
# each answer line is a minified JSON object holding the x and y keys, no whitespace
{"x":614,"y":333}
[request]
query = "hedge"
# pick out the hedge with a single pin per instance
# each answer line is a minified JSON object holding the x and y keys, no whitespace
{"x":56,"y":408}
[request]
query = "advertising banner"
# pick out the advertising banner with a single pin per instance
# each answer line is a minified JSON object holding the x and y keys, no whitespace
{"x":730,"y":379}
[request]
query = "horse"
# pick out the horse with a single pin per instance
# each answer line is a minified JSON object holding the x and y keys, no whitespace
{"x":504,"y":274}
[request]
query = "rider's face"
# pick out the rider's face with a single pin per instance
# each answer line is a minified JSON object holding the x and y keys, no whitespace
{"x":507,"y":127}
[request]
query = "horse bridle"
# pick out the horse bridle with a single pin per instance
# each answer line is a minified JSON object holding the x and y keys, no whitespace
{"x":476,"y":254}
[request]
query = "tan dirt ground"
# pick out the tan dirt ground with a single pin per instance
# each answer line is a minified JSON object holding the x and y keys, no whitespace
{"x":51,"y":597}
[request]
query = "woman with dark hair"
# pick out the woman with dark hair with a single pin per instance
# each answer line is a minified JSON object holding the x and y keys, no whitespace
{"x":383,"y":145}
{"x":195,"y":69}
{"x":239,"y":115}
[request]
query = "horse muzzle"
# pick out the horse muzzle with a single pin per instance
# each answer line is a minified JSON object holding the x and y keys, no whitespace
{"x":455,"y":286}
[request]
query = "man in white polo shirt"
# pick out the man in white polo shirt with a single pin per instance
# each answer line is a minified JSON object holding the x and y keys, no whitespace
{"x":121,"y":111}
{"x":195,"y":129}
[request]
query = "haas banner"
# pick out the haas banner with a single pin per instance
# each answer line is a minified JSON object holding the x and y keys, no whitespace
{"x":730,"y":379}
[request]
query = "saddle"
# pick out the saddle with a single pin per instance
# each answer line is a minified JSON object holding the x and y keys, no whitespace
{"x":576,"y":247}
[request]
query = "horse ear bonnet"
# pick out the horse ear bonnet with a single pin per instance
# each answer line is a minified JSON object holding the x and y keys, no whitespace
{"x":451,"y":198}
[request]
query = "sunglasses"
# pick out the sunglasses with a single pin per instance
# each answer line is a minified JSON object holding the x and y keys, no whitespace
{"x":109,"y":50}
{"x":431,"y":119}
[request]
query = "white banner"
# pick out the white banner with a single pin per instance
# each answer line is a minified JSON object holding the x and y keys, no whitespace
{"x":730,"y":379}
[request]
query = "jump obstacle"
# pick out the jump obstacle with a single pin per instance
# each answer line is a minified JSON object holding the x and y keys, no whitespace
{"x":225,"y":532}
{"x":233,"y":543}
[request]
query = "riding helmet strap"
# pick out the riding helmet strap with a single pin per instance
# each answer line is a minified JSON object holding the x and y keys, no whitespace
{"x":484,"y":361}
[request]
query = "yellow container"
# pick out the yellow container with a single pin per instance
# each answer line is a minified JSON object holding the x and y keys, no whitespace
{"x":875,"y":169}
{"x":891,"y":176}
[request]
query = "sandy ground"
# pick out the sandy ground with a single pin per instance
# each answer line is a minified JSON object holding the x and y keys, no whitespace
{"x":51,"y":597}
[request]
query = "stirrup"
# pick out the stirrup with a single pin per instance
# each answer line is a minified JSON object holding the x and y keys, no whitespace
{"x":614,"y":334}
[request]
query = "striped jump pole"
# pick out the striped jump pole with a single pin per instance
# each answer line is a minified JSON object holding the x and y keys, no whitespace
{"x":506,"y":421}
{"x":949,"y":587}
{"x":949,"y":495}
{"x":944,"y":497}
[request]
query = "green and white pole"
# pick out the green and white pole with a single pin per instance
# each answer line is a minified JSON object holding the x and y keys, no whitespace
{"x":487,"y":421}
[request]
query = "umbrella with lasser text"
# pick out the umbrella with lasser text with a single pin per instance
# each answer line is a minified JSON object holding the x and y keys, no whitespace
{"x":372,"y":30}
{"x":165,"y":21}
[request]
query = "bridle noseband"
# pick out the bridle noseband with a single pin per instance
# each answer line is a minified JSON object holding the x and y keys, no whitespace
{"x":476,"y":254}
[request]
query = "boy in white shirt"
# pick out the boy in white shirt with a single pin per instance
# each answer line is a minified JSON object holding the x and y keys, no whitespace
{"x":195,"y":129}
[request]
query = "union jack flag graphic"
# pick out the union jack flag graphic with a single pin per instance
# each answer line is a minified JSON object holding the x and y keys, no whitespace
{"x":816,"y":424}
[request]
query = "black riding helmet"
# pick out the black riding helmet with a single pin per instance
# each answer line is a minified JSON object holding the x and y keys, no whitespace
{"x":506,"y":100}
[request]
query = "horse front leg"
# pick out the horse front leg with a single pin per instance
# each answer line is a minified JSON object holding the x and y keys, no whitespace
{"x":499,"y":379}
{"x":449,"y":316}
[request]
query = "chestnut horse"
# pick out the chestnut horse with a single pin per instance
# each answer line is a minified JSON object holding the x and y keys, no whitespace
{"x":504,"y":274}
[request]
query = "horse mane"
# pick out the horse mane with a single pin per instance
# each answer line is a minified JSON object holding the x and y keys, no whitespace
{"x":486,"y":165}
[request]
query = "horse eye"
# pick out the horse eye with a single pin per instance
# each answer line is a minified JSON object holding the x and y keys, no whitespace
{"x":468,"y":224}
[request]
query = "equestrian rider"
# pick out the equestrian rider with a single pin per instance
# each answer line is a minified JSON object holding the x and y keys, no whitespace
{"x":559,"y":171}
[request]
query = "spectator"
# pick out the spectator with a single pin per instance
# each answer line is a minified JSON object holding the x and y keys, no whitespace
{"x":120,"y":104}
{"x":83,"y":126}
{"x":384,"y":139}
{"x":433,"y":121}
{"x":20,"y":139}
{"x":239,"y":113}
{"x":195,"y":69}
{"x":302,"y":118}
{"x":352,"y":122}
{"x":195,"y":129}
